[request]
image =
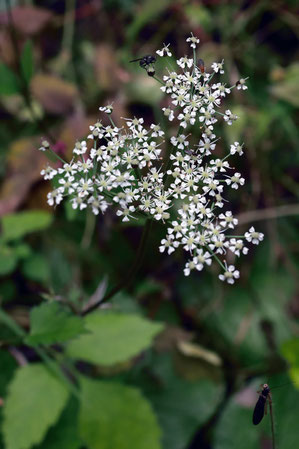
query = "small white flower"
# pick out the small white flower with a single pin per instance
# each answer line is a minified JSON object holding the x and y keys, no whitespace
{"x":169,"y":244}
{"x":54,"y":197}
{"x":237,"y":246}
{"x":180,"y":142}
{"x":241,"y":84}
{"x":229,"y":117}
{"x":126,"y":213}
{"x":253,"y":236}
{"x":44,"y":146}
{"x":227,"y":220}
{"x":80,"y":148}
{"x":230,"y":275}
{"x":78,"y":202}
{"x":236,"y":148}
{"x":218,"y":67}
{"x":185,"y":61}
{"x":168,"y":113}
{"x":48,"y":172}
{"x":193,"y":41}
{"x":235,"y":181}
{"x":108,"y":108}
{"x":164,"y":51}
{"x":68,"y":185}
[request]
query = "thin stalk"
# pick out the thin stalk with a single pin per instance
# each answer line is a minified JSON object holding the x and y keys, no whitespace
{"x":159,"y":81}
{"x":272,"y":425}
{"x":88,"y":230}
{"x":131,"y":273}
{"x":68,"y":27}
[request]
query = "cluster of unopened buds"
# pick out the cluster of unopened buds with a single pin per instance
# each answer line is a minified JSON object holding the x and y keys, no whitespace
{"x":183,"y":187}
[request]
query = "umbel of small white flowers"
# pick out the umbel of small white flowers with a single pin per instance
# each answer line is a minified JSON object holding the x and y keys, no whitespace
{"x":125,"y":168}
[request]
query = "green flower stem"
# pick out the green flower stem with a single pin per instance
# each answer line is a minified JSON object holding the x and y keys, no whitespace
{"x":112,"y":122}
{"x":131,"y":273}
{"x":68,"y":27}
{"x":158,"y":79}
{"x":57,"y":156}
{"x":218,"y":260}
{"x":90,"y":223}
{"x":51,"y":365}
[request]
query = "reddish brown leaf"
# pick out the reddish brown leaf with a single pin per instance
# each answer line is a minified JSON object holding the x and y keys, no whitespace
{"x":23,"y":168}
{"x":107,"y":70}
{"x":55,"y":95}
{"x":27,"y":19}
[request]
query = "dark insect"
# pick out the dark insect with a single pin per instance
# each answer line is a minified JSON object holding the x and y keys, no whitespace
{"x":147,"y":63}
{"x":260,"y":407}
{"x":146,"y":60}
{"x":201,"y":65}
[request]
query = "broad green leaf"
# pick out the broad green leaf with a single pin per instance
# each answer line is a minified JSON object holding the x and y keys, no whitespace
{"x":115,"y":416}
{"x":34,"y":403}
{"x":51,"y":323}
{"x":64,"y":435}
{"x":9,"y":82}
{"x":8,"y":260}
{"x":36,"y":267}
{"x":113,"y":338}
{"x":182,"y":406}
{"x":17,"y":225}
{"x":27,"y":61}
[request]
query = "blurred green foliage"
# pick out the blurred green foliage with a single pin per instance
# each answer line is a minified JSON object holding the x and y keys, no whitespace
{"x":145,"y":373}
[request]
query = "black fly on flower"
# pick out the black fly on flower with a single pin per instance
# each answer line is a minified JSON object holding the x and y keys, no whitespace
{"x":147,"y":62}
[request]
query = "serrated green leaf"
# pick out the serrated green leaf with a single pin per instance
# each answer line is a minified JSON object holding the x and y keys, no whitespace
{"x":64,"y":435}
{"x":51,"y":323}
{"x":27,"y":61}
{"x":9,"y":82}
{"x":116,"y":416}
{"x":34,"y":403}
{"x":113,"y":338}
{"x":17,"y":225}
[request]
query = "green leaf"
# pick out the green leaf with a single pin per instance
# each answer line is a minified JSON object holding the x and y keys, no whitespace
{"x":17,"y":225}
{"x":113,"y":338}
{"x":64,"y":435}
{"x":8,"y":260}
{"x":290,"y":350}
{"x":27,"y":61}
{"x":116,"y":416}
{"x":182,"y":406}
{"x":9,"y":82}
{"x":51,"y":323}
{"x":8,"y":365}
{"x":36,"y":267}
{"x":34,"y":403}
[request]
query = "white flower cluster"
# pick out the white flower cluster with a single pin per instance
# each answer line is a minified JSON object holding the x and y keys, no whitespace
{"x":126,"y":167}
